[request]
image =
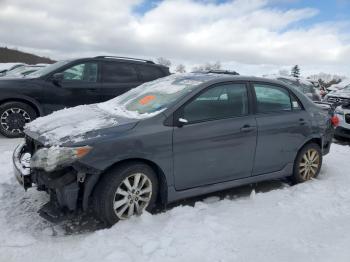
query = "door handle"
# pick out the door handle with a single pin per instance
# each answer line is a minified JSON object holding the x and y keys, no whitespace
{"x":248,"y":128}
{"x":302,"y":121}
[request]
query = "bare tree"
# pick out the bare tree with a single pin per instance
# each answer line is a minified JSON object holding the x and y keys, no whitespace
{"x":180,"y":68}
{"x":208,"y":66}
{"x":164,"y":61}
{"x":283,"y":72}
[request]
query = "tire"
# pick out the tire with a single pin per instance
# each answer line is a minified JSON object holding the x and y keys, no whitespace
{"x":307,"y":164}
{"x":112,"y":190}
{"x":13,"y":117}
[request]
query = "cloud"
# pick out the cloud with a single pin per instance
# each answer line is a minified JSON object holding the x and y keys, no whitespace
{"x":237,"y":32}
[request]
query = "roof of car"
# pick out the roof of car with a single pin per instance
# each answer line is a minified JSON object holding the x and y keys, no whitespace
{"x":230,"y":77}
{"x":118,"y":58}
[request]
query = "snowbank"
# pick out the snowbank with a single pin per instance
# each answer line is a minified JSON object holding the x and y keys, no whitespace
{"x":307,"y":222}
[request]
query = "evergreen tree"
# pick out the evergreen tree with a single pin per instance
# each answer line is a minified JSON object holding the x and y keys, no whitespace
{"x":295,"y":72}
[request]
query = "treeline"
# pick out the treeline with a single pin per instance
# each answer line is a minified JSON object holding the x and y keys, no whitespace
{"x":8,"y":55}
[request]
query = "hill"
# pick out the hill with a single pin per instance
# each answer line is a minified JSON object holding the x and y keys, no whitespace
{"x":8,"y":55}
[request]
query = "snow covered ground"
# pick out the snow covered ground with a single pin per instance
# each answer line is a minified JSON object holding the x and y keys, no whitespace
{"x":276,"y":222}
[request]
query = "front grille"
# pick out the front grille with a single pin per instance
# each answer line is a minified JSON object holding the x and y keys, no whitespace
{"x":340,"y":100}
{"x":347,"y":118}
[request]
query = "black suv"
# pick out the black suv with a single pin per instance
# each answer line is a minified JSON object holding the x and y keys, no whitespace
{"x":70,"y":83}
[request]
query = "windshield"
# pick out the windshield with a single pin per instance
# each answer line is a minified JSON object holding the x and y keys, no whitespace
{"x":154,"y":97}
{"x":48,"y":69}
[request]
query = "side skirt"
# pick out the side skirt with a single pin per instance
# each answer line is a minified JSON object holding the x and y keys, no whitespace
{"x":174,"y":195}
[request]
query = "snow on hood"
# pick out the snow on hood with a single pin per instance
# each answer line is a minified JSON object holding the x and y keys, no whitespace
{"x":341,"y":93}
{"x":70,"y":124}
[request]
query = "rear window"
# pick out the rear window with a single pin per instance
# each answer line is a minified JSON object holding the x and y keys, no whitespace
{"x":272,"y":98}
{"x":113,"y":72}
{"x":149,"y":73}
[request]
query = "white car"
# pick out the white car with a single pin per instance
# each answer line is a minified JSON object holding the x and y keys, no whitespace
{"x":338,"y":97}
{"x":343,"y":129}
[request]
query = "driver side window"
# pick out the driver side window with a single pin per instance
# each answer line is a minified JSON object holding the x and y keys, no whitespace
{"x":81,"y":72}
{"x":219,"y":102}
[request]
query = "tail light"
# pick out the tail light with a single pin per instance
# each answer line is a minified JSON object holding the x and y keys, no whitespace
{"x":335,"y":121}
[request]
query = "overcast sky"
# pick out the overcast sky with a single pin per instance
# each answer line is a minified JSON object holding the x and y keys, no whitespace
{"x":251,"y":36}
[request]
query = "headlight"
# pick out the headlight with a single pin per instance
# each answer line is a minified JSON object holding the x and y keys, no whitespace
{"x":338,"y":111}
{"x":50,"y":158}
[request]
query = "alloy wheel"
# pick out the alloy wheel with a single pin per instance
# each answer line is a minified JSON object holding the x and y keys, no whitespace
{"x":309,"y":164}
{"x":13,"y":120}
{"x":132,"y":196}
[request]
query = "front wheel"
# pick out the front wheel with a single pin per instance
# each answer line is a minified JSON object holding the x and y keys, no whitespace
{"x":308,"y":163}
{"x":13,"y":117}
{"x":125,"y":191}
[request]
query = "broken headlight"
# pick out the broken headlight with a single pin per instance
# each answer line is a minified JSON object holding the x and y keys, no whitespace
{"x":51,"y":158}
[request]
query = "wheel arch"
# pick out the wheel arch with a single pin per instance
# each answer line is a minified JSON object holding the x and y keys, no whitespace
{"x":162,"y":187}
{"x":31,"y":102}
{"x":316,"y":140}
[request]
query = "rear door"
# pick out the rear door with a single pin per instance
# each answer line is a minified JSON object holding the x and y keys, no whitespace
{"x":283,"y":126}
{"x":117,"y":78}
{"x":149,"y":72}
{"x":218,"y":142}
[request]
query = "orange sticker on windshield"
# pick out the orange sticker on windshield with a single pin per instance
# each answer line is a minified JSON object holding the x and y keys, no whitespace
{"x":145,"y":100}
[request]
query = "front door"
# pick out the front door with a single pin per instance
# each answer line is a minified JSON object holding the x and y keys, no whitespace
{"x":218,"y":142}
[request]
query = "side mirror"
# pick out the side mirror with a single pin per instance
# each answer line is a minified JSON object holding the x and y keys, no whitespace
{"x":57,"y":78}
{"x":181,"y":122}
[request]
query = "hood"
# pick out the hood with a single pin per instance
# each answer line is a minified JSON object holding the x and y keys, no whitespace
{"x":341,"y":93}
{"x":73,"y":125}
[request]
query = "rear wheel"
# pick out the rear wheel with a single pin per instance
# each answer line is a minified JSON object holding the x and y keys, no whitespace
{"x":13,"y":117}
{"x":125,"y":191}
{"x":308,"y":163}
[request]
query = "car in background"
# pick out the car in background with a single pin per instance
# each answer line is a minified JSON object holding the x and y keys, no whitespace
{"x":339,"y":97}
{"x":70,"y":83}
{"x":343,"y":129}
{"x":23,"y":71}
{"x":339,"y":86}
{"x":8,"y":67}
{"x":173,"y":138}
{"x":303,"y":85}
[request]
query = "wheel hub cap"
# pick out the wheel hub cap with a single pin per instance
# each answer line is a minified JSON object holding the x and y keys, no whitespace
{"x":14,"y":119}
{"x":309,"y":164}
{"x":132,"y":196}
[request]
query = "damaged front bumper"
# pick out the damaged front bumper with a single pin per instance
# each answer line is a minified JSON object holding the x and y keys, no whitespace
{"x":21,"y":165}
{"x":68,"y":188}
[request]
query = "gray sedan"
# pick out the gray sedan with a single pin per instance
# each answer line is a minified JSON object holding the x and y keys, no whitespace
{"x":173,"y":138}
